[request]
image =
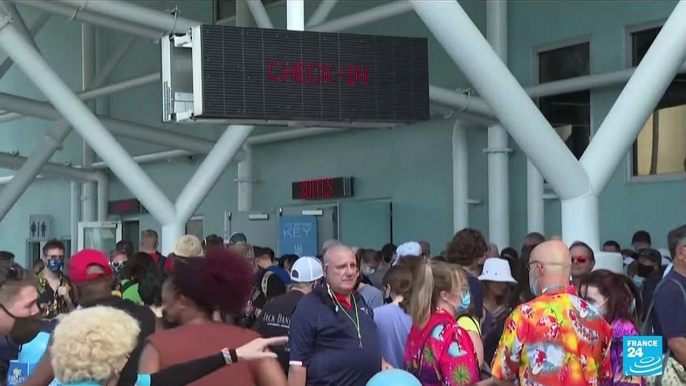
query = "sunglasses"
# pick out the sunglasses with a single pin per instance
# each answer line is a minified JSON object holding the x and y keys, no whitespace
{"x":117,"y":264}
{"x":579,"y":259}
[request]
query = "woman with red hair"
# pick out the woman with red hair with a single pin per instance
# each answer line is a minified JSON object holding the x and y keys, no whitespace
{"x":191,"y":294}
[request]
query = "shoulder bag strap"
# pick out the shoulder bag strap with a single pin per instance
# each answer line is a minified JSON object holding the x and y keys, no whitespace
{"x":421,"y":353}
{"x":646,"y":327}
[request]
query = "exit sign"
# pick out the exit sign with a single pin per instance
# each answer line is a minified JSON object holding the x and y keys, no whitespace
{"x":323,"y":188}
{"x":123,"y":207}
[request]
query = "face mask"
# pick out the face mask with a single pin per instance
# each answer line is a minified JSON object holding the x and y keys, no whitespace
{"x":368,"y":271}
{"x":167,"y":322}
{"x":644,"y":270}
{"x":24,"y":329}
{"x":632,"y":306}
{"x":533,"y":283}
{"x":118,"y":270}
{"x":596,"y":307}
{"x":54,"y":265}
{"x":464,"y":304}
{"x":638,"y":281}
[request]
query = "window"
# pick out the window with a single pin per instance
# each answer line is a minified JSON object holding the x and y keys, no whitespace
{"x":224,"y":9}
{"x":569,"y":114}
{"x":661,"y":145}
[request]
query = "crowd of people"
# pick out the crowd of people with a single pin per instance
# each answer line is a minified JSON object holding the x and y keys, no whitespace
{"x":214,"y":313}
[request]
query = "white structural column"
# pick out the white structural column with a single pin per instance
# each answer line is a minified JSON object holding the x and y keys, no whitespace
{"x":371,"y":15}
{"x":295,"y":12}
{"x":535,"y":206}
{"x":460,"y":176}
{"x":245,"y":180}
{"x":498,"y":150}
{"x":75,"y":216}
{"x":50,"y":144}
{"x":89,"y":190}
{"x":85,"y":123}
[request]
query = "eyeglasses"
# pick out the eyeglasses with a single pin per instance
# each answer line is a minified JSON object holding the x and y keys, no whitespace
{"x":528,"y":267}
{"x":117,"y":264}
{"x":579,"y":259}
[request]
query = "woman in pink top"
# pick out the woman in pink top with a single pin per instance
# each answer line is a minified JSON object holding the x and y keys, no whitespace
{"x":439,"y":352}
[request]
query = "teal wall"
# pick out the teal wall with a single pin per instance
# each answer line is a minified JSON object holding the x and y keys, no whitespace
{"x":409,"y":165}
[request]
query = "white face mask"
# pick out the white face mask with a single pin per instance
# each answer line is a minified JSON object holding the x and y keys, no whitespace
{"x":596,"y":307}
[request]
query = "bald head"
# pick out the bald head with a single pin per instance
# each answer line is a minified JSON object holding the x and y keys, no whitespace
{"x":340,"y":269}
{"x":336,"y":252}
{"x":550,"y":265}
{"x":554,"y":253}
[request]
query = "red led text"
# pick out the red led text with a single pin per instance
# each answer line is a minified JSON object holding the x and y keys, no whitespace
{"x":315,"y":73}
{"x":316,"y":189}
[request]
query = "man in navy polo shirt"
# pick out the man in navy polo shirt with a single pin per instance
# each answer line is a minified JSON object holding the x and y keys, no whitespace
{"x":333,"y":337}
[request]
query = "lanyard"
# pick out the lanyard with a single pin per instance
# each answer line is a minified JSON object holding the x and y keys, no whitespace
{"x":357,"y":317}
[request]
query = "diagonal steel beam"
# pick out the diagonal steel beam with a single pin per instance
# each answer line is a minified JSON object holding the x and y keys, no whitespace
{"x":321,"y":13}
{"x":626,"y":118}
{"x":92,"y":18}
{"x":86,"y":124}
{"x":18,"y":21}
{"x":458,"y":35}
{"x":259,"y":13}
{"x":51,"y":143}
{"x":35,"y":28}
{"x":371,"y":15}
{"x":16,"y":162}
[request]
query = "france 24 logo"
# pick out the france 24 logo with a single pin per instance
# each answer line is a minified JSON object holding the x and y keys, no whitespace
{"x":642,"y":356}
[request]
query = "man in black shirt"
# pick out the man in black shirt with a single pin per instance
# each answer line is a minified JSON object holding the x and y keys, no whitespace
{"x":275,"y":319}
{"x":91,"y":275}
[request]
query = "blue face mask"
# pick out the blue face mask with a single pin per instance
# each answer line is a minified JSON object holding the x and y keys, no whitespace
{"x":638,"y":281}
{"x":533,"y":284}
{"x":367,"y":271}
{"x":54,"y":265}
{"x":464,"y":304}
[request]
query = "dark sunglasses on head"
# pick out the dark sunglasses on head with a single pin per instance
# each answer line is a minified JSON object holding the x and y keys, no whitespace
{"x":579,"y":259}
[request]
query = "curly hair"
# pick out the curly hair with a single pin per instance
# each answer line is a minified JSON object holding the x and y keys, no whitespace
{"x":467,"y":246}
{"x":223,"y":280}
{"x":82,"y":350}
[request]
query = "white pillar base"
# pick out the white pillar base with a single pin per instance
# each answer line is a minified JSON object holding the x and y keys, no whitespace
{"x":580,"y":221}
{"x":171,"y":233}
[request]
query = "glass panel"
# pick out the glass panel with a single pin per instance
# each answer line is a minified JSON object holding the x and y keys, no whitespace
{"x":104,"y":239}
{"x":570,"y":111}
{"x":194,"y":227}
{"x":661,"y":145}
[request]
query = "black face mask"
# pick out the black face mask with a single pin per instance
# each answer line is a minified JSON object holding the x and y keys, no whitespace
{"x":644,"y":270}
{"x":24,"y":329}
{"x":167,"y":323}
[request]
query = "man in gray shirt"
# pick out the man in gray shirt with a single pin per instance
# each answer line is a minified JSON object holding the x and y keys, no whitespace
{"x":387,"y":253}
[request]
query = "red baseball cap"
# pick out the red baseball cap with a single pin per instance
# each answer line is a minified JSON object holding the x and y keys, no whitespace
{"x":80,"y":262}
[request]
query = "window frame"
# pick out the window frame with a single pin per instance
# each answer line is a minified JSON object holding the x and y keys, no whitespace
{"x":538,"y":49}
{"x":628,"y":63}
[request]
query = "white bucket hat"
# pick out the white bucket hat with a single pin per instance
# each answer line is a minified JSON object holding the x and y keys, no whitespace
{"x":498,"y":270}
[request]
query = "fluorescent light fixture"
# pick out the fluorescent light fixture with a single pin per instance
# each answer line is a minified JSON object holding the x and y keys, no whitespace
{"x":258,"y":216}
{"x":312,"y":212}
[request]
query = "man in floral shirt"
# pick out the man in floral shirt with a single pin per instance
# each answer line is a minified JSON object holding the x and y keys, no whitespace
{"x":557,"y":338}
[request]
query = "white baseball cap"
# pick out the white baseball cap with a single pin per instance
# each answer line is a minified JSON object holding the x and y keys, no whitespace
{"x":306,"y":270}
{"x":410,"y":248}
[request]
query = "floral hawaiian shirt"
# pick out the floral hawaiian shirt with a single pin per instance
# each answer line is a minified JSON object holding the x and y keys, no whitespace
{"x":555,"y":339}
{"x":441,"y":353}
{"x":50,"y":303}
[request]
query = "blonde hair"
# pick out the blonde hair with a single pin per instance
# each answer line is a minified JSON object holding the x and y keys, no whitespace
{"x":244,"y":249}
{"x":430,"y":279}
{"x":83,"y":350}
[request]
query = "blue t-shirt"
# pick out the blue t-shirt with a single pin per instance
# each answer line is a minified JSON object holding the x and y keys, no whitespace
{"x":281,"y":273}
{"x":393,"y":326}
{"x":325,"y":340}
{"x":669,"y":309}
